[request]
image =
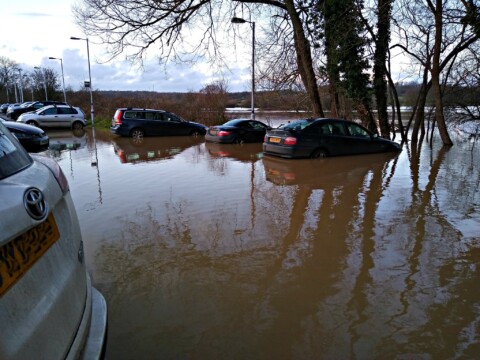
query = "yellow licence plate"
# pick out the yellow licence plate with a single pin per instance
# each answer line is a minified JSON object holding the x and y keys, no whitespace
{"x":274,"y":140}
{"x":19,"y":255}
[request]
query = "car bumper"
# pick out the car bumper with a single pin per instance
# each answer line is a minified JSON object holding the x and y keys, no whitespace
{"x":219,"y":139}
{"x":281,"y":151}
{"x":118,"y":130}
{"x":91,"y":337}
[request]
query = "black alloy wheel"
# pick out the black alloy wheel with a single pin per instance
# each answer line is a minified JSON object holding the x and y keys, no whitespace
{"x":77,"y":125}
{"x":32,"y":123}
{"x":319,"y":154}
{"x":239,"y":140}
{"x":137,"y":133}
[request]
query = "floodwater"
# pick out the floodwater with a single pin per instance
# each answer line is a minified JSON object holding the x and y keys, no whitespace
{"x":208,"y":251}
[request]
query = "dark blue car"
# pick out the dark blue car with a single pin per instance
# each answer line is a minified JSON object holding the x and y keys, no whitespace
{"x":138,"y":123}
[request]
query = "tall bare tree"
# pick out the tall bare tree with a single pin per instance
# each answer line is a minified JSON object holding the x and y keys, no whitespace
{"x":180,"y":29}
{"x":8,"y":75}
{"x":433,"y":35}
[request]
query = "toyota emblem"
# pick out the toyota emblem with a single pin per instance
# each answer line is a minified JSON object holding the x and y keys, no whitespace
{"x":35,"y":204}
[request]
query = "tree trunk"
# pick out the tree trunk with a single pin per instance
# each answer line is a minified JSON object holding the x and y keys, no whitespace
{"x":437,"y":91}
{"x":304,"y":60}
{"x":383,"y":39}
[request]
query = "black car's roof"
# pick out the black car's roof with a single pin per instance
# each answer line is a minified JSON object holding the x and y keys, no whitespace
{"x":21,"y":127}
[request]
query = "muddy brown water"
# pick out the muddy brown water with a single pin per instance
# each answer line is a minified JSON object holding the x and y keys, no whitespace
{"x":207,"y":251}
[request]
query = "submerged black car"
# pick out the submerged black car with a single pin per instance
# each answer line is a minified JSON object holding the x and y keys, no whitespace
{"x":237,"y":131}
{"x":318,"y":138}
{"x":33,"y":139}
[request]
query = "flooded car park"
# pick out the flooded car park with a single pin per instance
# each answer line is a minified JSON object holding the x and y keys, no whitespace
{"x":215,"y":251}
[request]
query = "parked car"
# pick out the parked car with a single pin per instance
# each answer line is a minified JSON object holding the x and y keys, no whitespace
{"x":14,"y":113}
{"x":3,"y":108}
{"x":318,"y":138}
{"x":32,"y":138}
{"x":237,"y":131}
{"x":137,"y":123}
{"x":12,"y":106}
{"x":48,"y":307}
{"x":55,"y":116}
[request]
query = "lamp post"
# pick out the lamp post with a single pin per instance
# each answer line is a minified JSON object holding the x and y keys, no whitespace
{"x":237,"y":20}
{"x":21,"y":84}
{"x":44,"y":81}
{"x":63,"y":77}
{"x":90,"y":80}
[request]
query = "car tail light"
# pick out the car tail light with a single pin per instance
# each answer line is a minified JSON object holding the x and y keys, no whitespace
{"x":224,"y":133}
{"x":118,"y":117}
{"x":121,"y":155}
{"x":55,"y":169}
{"x":290,"y":141}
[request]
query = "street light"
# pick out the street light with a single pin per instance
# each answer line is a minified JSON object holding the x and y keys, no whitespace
{"x":236,"y":20}
{"x":63,"y":77}
{"x":21,"y":84}
{"x":44,"y":81}
{"x":90,"y":78}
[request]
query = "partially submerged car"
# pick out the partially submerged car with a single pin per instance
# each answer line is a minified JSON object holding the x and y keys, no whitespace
{"x":319,"y":138}
{"x":237,"y":131}
{"x":48,"y":306}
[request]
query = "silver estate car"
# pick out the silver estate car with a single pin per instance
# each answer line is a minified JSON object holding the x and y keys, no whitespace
{"x":53,"y":116}
{"x":48,"y":307}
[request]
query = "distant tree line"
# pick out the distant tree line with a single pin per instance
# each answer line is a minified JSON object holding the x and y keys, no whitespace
{"x":208,"y":105}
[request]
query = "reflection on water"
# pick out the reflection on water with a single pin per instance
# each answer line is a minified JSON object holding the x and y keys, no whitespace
{"x":131,"y":150}
{"x":217,"y":252}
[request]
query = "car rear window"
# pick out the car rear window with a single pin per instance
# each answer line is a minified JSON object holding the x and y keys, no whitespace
{"x":134,"y":115}
{"x":297,"y":124}
{"x":68,"y":110}
{"x":13,"y":158}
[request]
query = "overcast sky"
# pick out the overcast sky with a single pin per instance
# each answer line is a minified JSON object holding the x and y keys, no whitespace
{"x":32,"y":31}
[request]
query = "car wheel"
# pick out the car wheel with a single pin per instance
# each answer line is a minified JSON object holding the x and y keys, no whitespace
{"x":33,"y":123}
{"x":77,"y":125}
{"x":319,"y":154}
{"x":195,"y":133}
{"x":240,"y":140}
{"x":137,"y":134}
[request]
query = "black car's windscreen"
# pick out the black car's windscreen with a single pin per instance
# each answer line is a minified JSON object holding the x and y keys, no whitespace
{"x":13,"y":158}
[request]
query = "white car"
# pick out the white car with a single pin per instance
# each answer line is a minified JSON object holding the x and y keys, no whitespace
{"x":48,"y":307}
{"x":55,"y":116}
